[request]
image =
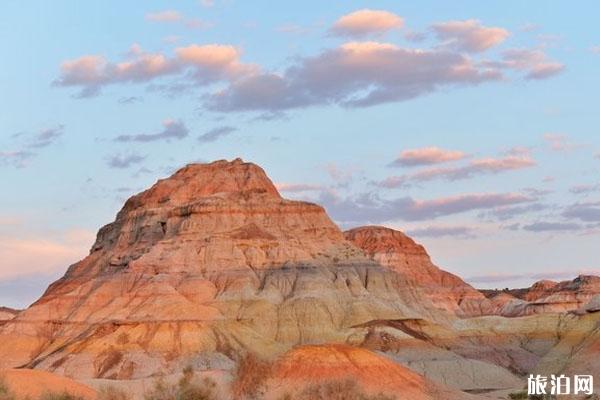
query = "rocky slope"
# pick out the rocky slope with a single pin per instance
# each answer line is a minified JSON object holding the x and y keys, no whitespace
{"x":31,"y":384}
{"x":309,"y":368}
{"x":410,"y":260}
{"x":7,"y":313}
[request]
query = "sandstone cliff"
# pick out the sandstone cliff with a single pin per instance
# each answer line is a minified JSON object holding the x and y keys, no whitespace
{"x":577,"y":295}
{"x":410,"y":260}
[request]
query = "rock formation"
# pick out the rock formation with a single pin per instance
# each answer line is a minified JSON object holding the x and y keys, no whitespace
{"x":307,"y":366}
{"x":32,"y":384}
{"x":204,"y":266}
{"x":410,"y":260}
{"x":7,"y":314}
{"x":547,"y":297}
{"x":212,"y":263}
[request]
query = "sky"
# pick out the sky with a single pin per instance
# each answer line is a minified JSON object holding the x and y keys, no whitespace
{"x":472,"y":126}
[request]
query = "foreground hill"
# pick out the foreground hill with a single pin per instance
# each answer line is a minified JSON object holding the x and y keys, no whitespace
{"x":212,"y":264}
{"x":31,"y":384}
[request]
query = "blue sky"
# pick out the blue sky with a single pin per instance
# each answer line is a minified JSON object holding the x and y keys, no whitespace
{"x":471,"y":125}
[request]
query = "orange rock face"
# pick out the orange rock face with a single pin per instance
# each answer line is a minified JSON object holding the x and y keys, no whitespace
{"x":7,"y":313}
{"x":399,"y":252}
{"x":32,"y":384}
{"x":310,"y":365}
{"x":577,"y":295}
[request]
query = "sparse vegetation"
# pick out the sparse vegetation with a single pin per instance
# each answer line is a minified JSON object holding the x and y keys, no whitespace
{"x":336,"y":390}
{"x":5,"y":393}
{"x":187,"y":388}
{"x":250,"y":376}
{"x":112,"y":393}
{"x":522,"y":395}
{"x":59,"y":396}
{"x":518,"y":395}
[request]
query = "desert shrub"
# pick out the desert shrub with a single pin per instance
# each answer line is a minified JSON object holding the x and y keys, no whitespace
{"x":250,"y":376}
{"x":112,"y":393}
{"x":522,"y":395}
{"x":518,"y":395}
{"x":187,"y":388}
{"x":5,"y":392}
{"x":59,"y":396}
{"x":335,"y":390}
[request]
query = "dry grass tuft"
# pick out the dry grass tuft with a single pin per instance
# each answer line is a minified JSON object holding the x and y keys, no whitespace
{"x":250,"y":376}
{"x":335,"y":390}
{"x":112,"y":393}
{"x":188,"y":388}
{"x":5,"y":392}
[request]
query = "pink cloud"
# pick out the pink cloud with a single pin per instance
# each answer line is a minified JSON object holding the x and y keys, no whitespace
{"x":465,"y":202}
{"x":171,"y":130}
{"x":475,"y":167}
{"x":208,"y":63}
{"x":502,"y":164}
{"x":427,"y":156}
{"x":42,"y":255}
{"x":355,"y":74}
{"x":16,"y":158}
{"x":394,"y":182}
{"x":469,"y":35}
{"x":534,"y":62}
{"x":297,"y":187}
{"x":221,"y":60}
{"x":370,"y":208}
{"x":165,"y":16}
{"x":172,"y":16}
{"x":365,"y":22}
{"x":559,"y":142}
{"x":436,"y":231}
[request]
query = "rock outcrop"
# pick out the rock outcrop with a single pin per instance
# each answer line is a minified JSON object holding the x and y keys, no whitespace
{"x":309,"y":367}
{"x":410,"y":260}
{"x":7,"y":314}
{"x":547,"y":297}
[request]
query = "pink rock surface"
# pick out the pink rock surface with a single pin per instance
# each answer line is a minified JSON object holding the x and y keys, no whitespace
{"x":399,"y":252}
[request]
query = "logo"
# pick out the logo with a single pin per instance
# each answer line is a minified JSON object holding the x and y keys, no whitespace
{"x":560,"y":384}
